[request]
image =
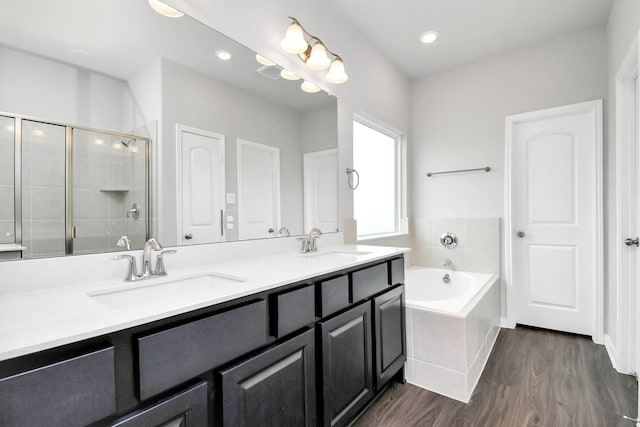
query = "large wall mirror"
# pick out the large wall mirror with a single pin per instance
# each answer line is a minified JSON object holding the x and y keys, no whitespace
{"x":116,"y":120}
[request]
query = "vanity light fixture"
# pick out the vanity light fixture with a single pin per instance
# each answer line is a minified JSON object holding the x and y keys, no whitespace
{"x":313,"y":52}
{"x":223,"y":55}
{"x":164,"y":9}
{"x":429,"y":37}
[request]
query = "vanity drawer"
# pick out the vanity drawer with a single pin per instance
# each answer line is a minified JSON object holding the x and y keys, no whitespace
{"x":397,"y":271}
{"x":74,"y":392}
{"x":332,"y":295}
{"x":170,"y":357}
{"x":292,"y":310}
{"x":369,"y":281}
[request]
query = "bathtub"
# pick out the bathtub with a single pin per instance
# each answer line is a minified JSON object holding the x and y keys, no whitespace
{"x":453,"y":320}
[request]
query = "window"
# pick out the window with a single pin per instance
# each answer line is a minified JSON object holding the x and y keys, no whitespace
{"x":376,"y":157}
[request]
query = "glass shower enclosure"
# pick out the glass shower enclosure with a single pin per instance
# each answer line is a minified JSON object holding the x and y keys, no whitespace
{"x":70,"y":190}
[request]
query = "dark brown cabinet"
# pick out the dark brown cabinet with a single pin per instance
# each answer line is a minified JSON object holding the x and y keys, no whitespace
{"x":390,"y":340}
{"x":175,"y":355}
{"x":73,"y":392}
{"x":275,"y":388}
{"x":186,"y":409}
{"x":347,"y":365}
{"x":310,"y":353}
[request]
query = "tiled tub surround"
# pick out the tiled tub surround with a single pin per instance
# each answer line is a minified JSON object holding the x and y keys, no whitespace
{"x":447,"y":350}
{"x":45,"y":303}
{"x":478,"y":247}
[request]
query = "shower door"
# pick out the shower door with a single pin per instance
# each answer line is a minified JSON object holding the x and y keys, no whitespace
{"x":43,"y":188}
{"x":110,"y":200}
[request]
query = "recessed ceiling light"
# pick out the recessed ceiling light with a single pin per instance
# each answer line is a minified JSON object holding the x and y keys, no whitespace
{"x":223,"y":55}
{"x":164,"y":9}
{"x":264,"y":61}
{"x":429,"y":37}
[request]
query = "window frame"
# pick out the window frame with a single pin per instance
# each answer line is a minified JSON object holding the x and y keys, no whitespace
{"x":399,"y":175}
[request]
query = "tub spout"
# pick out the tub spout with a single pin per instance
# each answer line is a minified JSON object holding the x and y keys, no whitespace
{"x":447,"y":262}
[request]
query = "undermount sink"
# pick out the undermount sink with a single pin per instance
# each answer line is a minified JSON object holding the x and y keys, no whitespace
{"x":178,"y":292}
{"x":335,"y":254}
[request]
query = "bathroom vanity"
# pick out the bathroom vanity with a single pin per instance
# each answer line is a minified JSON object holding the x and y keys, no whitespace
{"x":311,"y":347}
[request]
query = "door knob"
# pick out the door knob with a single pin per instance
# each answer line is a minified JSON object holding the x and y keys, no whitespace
{"x":188,"y":236}
{"x":520,"y":234}
{"x":631,"y":242}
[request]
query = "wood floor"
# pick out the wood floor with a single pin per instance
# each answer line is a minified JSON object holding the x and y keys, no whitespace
{"x":533,"y":378}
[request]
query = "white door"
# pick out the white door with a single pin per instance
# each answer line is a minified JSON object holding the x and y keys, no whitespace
{"x":258,"y":190}
{"x":554,"y":216}
{"x":200,"y":186}
{"x":321,"y":190}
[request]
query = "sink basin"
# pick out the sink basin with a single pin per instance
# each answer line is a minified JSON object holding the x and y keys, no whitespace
{"x":177,"y":292}
{"x":334,"y":255}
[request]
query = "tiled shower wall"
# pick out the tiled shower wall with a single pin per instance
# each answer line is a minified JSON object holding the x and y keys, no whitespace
{"x":108,"y":179}
{"x":478,"y":247}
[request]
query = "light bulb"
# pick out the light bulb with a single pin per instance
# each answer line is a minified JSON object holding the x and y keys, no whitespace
{"x":309,"y":87}
{"x":289,"y":75}
{"x":318,"y":60}
{"x":164,"y":9}
{"x":429,"y":37}
{"x":223,"y":55}
{"x":294,"y":41}
{"x":336,"y":73}
{"x":264,"y":61}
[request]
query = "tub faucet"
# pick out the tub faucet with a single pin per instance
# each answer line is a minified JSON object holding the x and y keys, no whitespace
{"x":447,"y":263}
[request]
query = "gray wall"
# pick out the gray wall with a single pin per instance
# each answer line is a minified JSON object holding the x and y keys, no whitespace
{"x":458,"y":119}
{"x":319,"y":130}
{"x":194,"y":99}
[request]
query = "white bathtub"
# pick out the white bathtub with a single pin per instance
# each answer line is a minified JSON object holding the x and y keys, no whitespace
{"x":451,"y":328}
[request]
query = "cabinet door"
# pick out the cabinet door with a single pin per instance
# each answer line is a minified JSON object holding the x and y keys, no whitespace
{"x":389,"y":325}
{"x":274,"y":388}
{"x":347,"y":365}
{"x":186,"y":409}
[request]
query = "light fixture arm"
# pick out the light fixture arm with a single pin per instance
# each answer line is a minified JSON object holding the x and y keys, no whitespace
{"x":312,"y":37}
{"x":314,"y":53}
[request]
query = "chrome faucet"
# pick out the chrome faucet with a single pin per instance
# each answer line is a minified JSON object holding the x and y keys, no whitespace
{"x":309,"y":241}
{"x":152,"y":245}
{"x":124,"y":242}
{"x":284,"y":232}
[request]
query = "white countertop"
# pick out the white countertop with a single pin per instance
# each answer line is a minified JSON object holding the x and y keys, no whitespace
{"x":42,"y":319}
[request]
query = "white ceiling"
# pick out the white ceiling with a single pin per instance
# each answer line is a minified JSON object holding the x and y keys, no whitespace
{"x":469,"y":29}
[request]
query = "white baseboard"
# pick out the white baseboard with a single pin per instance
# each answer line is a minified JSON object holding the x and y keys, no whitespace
{"x":612,"y":351}
{"x":504,"y":323}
